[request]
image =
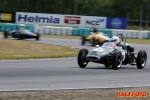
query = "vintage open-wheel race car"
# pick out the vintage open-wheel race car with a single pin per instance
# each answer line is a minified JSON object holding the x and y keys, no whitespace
{"x":113,"y":56}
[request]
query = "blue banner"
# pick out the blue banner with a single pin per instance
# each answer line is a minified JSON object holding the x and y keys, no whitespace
{"x":116,"y":23}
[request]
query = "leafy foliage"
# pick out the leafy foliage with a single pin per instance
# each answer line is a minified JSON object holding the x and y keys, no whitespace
{"x":111,"y":8}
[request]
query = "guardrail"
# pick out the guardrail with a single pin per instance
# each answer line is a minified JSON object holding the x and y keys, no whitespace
{"x":141,"y":34}
{"x":53,"y":30}
{"x":10,"y":27}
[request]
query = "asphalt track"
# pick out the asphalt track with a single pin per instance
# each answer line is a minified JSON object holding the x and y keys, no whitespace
{"x":64,"y":73}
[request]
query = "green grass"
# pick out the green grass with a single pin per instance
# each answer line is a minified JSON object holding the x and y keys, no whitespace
{"x":139,"y":41}
{"x":137,"y":28}
{"x":15,"y":49}
{"x":61,"y":36}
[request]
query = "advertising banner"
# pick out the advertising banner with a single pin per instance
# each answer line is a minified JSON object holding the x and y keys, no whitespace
{"x":8,"y":17}
{"x":117,"y":23}
{"x":71,"y":20}
{"x":62,"y":20}
{"x":38,"y":18}
{"x":91,"y":21}
{"x":85,"y":21}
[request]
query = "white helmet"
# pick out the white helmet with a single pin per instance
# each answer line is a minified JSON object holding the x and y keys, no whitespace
{"x":116,"y":40}
{"x":21,"y":25}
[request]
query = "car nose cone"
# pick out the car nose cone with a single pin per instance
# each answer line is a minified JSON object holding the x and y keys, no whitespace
{"x":93,"y":58}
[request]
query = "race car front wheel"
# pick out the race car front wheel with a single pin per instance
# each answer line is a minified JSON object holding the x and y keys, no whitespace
{"x":93,"y":41}
{"x":83,"y":40}
{"x":141,"y":59}
{"x":82,"y":61}
{"x":5,"y":34}
{"x":117,"y":60}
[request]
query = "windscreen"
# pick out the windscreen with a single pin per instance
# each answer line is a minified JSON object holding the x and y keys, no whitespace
{"x":109,"y":45}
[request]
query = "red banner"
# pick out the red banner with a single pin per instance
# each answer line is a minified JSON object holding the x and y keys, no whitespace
{"x":72,"y":20}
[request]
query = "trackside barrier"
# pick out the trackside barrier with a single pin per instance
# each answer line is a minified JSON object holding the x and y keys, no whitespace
{"x":53,"y":30}
{"x":136,"y":34}
{"x":8,"y":27}
{"x":69,"y":30}
{"x":36,"y":28}
{"x":11,"y":27}
{"x":2,"y":27}
{"x":75,"y":32}
{"x":30,"y":28}
{"x":86,"y":31}
{"x":107,"y":32}
{"x":14,"y":27}
{"x":149,"y":35}
{"x":41,"y":29}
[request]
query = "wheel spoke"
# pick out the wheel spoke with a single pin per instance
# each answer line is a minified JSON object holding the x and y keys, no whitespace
{"x":84,"y":61}
{"x":119,"y":61}
{"x":144,"y":60}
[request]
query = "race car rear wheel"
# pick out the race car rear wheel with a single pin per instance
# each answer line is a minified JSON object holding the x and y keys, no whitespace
{"x":5,"y":34}
{"x":117,"y":60}
{"x":82,"y":61}
{"x":38,"y":37}
{"x":83,"y":40}
{"x":141,"y":59}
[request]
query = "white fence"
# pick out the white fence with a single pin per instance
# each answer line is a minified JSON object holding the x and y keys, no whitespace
{"x":53,"y":30}
{"x":132,"y":33}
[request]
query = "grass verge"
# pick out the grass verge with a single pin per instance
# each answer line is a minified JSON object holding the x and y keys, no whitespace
{"x":15,"y":49}
{"x":61,"y":36}
{"x":139,"y":41}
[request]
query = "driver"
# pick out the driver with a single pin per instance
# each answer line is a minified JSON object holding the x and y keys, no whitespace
{"x":116,"y":41}
{"x":95,"y":31}
{"x":21,"y":27}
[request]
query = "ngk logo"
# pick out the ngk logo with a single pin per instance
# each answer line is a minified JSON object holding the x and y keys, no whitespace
{"x":72,"y":20}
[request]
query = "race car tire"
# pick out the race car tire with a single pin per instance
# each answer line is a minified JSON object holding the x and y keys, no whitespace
{"x":82,"y":61}
{"x":141,"y":59}
{"x":117,"y":60}
{"x":93,"y":41}
{"x":5,"y":34}
{"x":38,"y":37}
{"x":83,"y":40}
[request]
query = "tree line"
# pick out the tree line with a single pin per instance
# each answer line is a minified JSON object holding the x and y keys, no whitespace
{"x":131,"y":9}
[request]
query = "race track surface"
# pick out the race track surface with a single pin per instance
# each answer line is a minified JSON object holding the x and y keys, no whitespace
{"x":64,"y":73}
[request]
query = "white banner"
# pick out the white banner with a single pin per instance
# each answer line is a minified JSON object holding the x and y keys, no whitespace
{"x":37,"y":18}
{"x":61,"y":20}
{"x":90,"y":21}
